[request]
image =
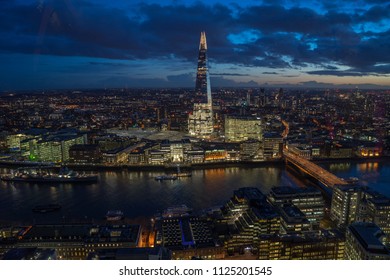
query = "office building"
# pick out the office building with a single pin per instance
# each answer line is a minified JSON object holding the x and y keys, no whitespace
{"x":247,"y":215}
{"x":55,"y":147}
{"x":251,"y":150}
{"x":345,"y":204}
{"x":314,"y":245}
{"x":152,"y":253}
{"x":242,"y":128}
{"x":308,"y":200}
{"x":189,"y":237}
{"x":378,"y":211}
{"x":30,"y":254}
{"x":364,"y":241}
{"x":293,"y":220}
{"x":273,"y":146}
{"x":245,"y":230}
{"x":85,"y":154}
{"x":75,"y":241}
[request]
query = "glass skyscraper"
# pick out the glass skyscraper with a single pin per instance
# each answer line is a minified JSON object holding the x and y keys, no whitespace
{"x":200,"y":121}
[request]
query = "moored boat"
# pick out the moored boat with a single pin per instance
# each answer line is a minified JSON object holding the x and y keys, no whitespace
{"x":45,"y":208}
{"x":39,"y":176}
{"x":165,"y":177}
{"x":114,"y":215}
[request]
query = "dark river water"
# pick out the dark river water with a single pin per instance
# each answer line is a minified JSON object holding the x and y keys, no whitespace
{"x":138,"y":195}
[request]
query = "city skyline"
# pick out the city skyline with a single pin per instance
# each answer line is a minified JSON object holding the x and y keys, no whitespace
{"x":94,"y":44}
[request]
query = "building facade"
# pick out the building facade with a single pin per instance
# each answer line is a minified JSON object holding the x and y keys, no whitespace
{"x":364,"y":241}
{"x":200,"y":121}
{"x":273,"y":146}
{"x":316,"y":245}
{"x":75,"y":241}
{"x":242,"y":128}
{"x":308,"y":200}
{"x":345,"y":204}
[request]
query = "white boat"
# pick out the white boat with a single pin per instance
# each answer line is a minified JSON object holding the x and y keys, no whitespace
{"x":114,"y":215}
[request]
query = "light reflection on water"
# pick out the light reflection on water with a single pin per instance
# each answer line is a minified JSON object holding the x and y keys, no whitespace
{"x":138,"y":194}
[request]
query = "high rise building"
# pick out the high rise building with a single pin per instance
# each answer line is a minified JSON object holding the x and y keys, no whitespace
{"x":345,"y":204}
{"x":202,"y":86}
{"x":200,"y":122}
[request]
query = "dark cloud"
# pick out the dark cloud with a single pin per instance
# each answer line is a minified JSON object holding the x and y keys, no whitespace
{"x":287,"y":38}
{"x":222,"y":82}
{"x":378,"y":70}
{"x":182,"y":80}
{"x":270,"y":73}
{"x":315,"y":84}
{"x":336,"y":73}
{"x":230,"y":74}
{"x":376,"y":13}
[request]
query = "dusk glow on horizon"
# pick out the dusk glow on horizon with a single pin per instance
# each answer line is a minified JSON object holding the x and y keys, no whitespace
{"x":47,"y":44}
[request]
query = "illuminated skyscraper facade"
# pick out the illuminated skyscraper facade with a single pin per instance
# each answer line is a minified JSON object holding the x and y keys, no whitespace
{"x":202,"y":86}
{"x":200,"y":122}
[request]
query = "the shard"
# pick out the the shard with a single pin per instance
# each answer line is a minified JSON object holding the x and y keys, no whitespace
{"x":202,"y":87}
{"x":200,"y":121}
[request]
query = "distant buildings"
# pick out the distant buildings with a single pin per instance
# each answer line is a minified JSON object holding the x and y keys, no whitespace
{"x":251,"y":150}
{"x":85,"y":154}
{"x":55,"y":148}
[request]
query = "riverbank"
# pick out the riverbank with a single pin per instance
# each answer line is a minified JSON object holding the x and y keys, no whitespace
{"x":101,"y":167}
{"x":197,"y":166}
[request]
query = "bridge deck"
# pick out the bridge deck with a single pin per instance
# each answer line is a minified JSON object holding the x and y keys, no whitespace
{"x":324,"y":176}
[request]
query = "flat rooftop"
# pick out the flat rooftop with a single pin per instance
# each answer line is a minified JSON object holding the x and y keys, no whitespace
{"x":83,"y":232}
{"x":290,"y":190}
{"x":369,"y":235}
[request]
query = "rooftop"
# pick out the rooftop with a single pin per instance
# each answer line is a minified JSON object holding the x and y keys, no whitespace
{"x":249,"y":194}
{"x":369,"y":235}
{"x":83,"y":232}
{"x":287,"y":190}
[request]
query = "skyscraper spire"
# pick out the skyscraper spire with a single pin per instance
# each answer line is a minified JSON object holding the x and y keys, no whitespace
{"x":202,"y":86}
{"x":203,"y":42}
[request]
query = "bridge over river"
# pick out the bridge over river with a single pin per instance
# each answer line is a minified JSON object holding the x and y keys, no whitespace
{"x":325,"y":177}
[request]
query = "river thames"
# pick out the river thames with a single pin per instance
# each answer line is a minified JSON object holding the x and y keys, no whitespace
{"x":138,"y":195}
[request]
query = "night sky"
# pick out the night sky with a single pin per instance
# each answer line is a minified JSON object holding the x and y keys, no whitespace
{"x":124,"y":43}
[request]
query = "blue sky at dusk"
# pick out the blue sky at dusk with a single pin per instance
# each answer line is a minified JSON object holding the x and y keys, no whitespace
{"x":49,"y":44}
